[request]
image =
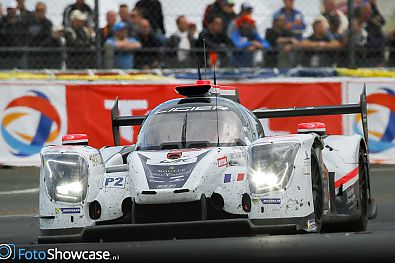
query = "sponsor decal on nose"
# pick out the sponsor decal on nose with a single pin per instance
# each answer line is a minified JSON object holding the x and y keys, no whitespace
{"x":223,"y":161}
{"x":71,"y":210}
{"x":271,"y":201}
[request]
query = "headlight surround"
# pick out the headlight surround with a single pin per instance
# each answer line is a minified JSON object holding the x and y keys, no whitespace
{"x":270,"y":165}
{"x":66,"y":177}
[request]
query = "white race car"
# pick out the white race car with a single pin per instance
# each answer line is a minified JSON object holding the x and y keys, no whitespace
{"x":202,"y":166}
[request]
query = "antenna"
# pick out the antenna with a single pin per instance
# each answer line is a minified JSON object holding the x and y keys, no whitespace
{"x":216,"y":102}
{"x":205,"y":58}
{"x":215,"y":77}
{"x":199,"y":74}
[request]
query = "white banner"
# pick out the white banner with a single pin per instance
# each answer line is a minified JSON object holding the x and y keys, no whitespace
{"x":381,"y":116}
{"x":31,"y":115}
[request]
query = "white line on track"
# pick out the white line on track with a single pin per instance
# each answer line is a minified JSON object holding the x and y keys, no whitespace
{"x":33,"y":214}
{"x":389,"y":168}
{"x":24,"y":191}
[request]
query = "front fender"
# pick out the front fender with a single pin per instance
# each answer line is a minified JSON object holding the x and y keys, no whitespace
{"x":61,"y":214}
{"x":295,"y":200}
{"x":341,"y":156}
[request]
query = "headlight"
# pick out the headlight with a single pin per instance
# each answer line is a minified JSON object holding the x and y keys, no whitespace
{"x":270,"y":165}
{"x":66,"y":177}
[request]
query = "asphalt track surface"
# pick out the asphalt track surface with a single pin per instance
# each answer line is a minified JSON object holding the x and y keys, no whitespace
{"x":19,"y":202}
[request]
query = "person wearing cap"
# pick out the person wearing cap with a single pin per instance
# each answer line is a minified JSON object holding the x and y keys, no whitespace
{"x":222,"y":8}
{"x":11,"y":16}
{"x":247,"y":39}
{"x":228,"y":14}
{"x":80,"y":42}
{"x":11,"y":13}
{"x":83,"y":8}
{"x":294,"y":18}
{"x":122,"y":46}
{"x":246,"y":9}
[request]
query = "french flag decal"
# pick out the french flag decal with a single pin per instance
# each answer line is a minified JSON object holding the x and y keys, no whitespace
{"x":227,"y":178}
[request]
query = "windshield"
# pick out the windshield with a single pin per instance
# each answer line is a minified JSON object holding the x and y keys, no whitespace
{"x":191,"y":129}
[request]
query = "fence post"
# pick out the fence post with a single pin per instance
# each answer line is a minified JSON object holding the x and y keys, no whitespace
{"x":351,"y":37}
{"x":97,"y":33}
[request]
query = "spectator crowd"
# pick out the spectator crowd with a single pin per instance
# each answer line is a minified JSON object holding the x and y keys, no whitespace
{"x":135,"y":37}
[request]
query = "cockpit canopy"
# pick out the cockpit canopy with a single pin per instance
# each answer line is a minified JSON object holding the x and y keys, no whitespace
{"x":192,"y":123}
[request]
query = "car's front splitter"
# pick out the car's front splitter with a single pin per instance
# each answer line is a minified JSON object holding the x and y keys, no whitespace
{"x":171,"y":230}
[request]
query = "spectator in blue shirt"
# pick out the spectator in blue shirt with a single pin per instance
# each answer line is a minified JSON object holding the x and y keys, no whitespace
{"x":294,"y":18}
{"x":248,"y":40}
{"x":123,"y":46}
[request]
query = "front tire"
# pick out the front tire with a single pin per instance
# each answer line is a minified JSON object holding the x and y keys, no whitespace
{"x":317,"y":190}
{"x":362,"y":222}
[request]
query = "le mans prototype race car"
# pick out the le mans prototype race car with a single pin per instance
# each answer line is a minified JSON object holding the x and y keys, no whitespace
{"x":202,"y":166}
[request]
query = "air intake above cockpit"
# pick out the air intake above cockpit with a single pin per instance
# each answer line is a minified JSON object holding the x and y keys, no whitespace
{"x":201,"y":88}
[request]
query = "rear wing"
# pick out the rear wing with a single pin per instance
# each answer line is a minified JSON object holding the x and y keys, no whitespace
{"x":360,"y":108}
{"x":118,"y":121}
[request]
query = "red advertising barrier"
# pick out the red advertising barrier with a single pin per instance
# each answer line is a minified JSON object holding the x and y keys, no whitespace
{"x":284,"y":95}
{"x":88,"y":106}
